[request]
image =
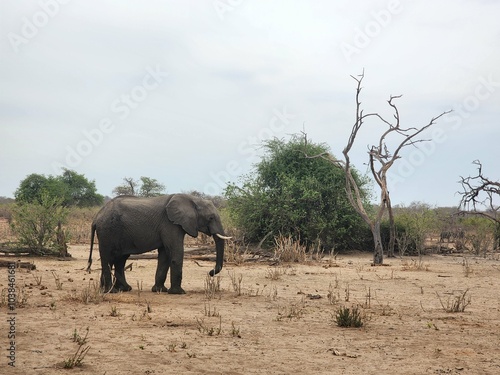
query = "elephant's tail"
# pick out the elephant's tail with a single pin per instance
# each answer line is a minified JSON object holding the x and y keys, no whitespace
{"x":92,"y":235}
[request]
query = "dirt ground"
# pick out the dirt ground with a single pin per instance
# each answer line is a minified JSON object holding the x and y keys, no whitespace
{"x":264,"y":320}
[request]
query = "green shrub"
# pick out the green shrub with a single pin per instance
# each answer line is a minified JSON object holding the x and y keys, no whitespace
{"x":293,"y":195}
{"x":414,"y":224}
{"x":71,"y":188}
{"x":36,"y":224}
{"x":482,"y":234}
{"x":348,"y":317}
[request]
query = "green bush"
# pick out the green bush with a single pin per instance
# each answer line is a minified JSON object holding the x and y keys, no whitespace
{"x":293,"y":195}
{"x":413,"y":225}
{"x":482,"y":234}
{"x":404,"y":244}
{"x":37,"y":224}
{"x":72,"y":188}
{"x":348,"y":317}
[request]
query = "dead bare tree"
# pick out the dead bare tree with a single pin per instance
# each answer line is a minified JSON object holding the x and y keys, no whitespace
{"x":380,"y":161}
{"x":480,"y":196}
{"x":479,"y":192}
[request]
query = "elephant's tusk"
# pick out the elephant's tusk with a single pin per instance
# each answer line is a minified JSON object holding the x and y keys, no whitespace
{"x":223,"y":237}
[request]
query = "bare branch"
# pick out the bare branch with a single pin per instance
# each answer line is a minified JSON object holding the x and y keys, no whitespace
{"x":409,"y":138}
{"x":480,"y":192}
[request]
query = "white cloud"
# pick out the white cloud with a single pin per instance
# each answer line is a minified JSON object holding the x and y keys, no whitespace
{"x":228,"y":75}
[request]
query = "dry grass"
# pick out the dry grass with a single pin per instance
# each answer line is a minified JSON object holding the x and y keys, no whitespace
{"x":76,"y":360}
{"x":57,"y":280}
{"x":79,"y":222}
{"x":275,"y":273}
{"x":21,"y":297}
{"x":294,"y":310}
{"x":467,"y":268}
{"x":456,"y":303}
{"x":208,"y":329}
{"x":235,"y":253}
{"x":288,"y":250}
{"x":414,"y":265}
{"x":236,"y":282}
{"x":212,"y":287}
{"x":92,"y":293}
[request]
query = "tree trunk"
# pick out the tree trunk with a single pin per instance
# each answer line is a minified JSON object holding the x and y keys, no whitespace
{"x":61,"y":241}
{"x":378,"y":252}
{"x":392,"y":228}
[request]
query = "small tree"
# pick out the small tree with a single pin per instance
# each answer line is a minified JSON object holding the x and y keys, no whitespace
{"x":38,"y":225}
{"x":150,"y":187}
{"x":146,"y":187}
{"x":380,"y":159}
{"x":127,"y":188}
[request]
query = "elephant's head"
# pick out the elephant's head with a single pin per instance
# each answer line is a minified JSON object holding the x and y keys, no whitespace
{"x":198,"y":215}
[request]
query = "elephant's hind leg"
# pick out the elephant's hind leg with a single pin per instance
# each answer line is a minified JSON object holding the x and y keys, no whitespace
{"x":164,"y":260}
{"x":106,"y":278}
{"x":120,"y":283}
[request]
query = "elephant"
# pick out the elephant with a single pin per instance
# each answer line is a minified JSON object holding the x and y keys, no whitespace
{"x":134,"y":225}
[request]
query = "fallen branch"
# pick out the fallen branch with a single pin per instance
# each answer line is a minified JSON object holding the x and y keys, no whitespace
{"x":19,"y":264}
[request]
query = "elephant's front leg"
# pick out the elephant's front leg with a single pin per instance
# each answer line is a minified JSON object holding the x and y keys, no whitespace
{"x":164,"y":260}
{"x":176,"y":270}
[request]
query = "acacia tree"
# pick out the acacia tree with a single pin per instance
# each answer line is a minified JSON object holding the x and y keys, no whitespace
{"x":127,"y":188}
{"x":381,"y":159}
{"x":480,"y":196}
{"x":149,"y":187}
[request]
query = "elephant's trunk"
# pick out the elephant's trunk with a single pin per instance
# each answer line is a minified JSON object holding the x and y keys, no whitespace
{"x":219,"y":260}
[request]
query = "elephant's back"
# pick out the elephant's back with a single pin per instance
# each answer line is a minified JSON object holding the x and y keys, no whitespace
{"x":129,"y":210}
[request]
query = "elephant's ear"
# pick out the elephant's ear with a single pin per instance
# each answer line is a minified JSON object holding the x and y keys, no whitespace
{"x":182,"y":211}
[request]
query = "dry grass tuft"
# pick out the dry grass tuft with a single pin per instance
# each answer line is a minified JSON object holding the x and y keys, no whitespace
{"x":234,"y":253}
{"x":294,"y":310}
{"x":414,"y":265}
{"x":77,"y":359}
{"x":236,"y":282}
{"x":212,"y":287}
{"x":288,"y":250}
{"x":92,"y":293}
{"x":456,"y":303}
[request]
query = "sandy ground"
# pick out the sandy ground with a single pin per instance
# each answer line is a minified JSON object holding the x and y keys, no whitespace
{"x":280,"y":321}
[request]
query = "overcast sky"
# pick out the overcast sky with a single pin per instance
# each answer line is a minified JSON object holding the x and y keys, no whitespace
{"x":186,"y":91}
